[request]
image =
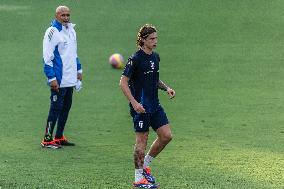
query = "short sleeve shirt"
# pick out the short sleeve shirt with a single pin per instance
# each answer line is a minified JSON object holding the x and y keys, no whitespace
{"x":143,"y":73}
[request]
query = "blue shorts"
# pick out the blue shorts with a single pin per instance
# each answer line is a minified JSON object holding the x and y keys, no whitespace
{"x":142,"y":122}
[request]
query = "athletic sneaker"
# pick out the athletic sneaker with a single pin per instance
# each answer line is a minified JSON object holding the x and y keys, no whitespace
{"x":148,"y":176}
{"x":144,"y":184}
{"x":50,"y":144}
{"x":63,"y":141}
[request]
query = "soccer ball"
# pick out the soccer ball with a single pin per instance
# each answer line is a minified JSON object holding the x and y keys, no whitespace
{"x":116,"y":61}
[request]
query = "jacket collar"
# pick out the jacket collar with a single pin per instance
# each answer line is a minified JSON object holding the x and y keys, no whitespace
{"x":59,"y":26}
{"x":56,"y":24}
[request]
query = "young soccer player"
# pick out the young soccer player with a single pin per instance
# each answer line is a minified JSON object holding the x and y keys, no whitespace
{"x":140,"y":83}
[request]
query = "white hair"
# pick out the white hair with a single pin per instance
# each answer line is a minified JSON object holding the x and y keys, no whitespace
{"x":60,"y":8}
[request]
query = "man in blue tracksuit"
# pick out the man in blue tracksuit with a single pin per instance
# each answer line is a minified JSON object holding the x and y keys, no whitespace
{"x":63,"y":71}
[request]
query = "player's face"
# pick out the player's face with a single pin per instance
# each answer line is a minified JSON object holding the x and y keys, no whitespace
{"x":151,"y":41}
{"x":63,"y":16}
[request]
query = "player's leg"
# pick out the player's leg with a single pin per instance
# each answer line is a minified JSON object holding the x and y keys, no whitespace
{"x":139,"y":152}
{"x":56,"y":104}
{"x":160,"y":124}
{"x":141,"y":126}
{"x":62,"y":119}
{"x":164,"y":136}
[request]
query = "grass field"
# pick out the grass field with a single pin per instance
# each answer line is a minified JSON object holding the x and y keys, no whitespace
{"x":224,"y":58}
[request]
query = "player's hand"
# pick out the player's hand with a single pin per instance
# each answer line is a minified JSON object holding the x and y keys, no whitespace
{"x":79,"y":76}
{"x":54,"y":86}
{"x":138,"y":107}
{"x":171,"y":93}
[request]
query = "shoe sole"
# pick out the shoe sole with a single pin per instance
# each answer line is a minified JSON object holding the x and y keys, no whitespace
{"x":50,"y":146}
{"x":158,"y":186}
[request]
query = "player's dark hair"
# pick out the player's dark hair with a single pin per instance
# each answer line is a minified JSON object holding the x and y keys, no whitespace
{"x":143,"y":33}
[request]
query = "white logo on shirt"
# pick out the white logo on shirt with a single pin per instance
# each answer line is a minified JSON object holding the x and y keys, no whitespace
{"x":152,"y":64}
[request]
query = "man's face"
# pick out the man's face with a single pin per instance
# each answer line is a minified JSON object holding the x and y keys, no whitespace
{"x":151,"y":41}
{"x":63,"y":16}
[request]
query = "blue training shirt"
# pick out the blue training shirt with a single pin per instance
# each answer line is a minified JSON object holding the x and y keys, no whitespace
{"x":143,"y":73}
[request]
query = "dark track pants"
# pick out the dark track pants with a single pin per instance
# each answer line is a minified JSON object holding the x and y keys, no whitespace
{"x":60,"y":104}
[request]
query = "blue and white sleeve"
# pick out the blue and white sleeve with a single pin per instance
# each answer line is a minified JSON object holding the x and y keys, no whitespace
{"x":50,"y":41}
{"x":79,"y":66}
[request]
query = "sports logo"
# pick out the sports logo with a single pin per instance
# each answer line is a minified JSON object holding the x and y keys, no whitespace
{"x":140,"y":124}
{"x":54,"y":98}
{"x":152,"y":64}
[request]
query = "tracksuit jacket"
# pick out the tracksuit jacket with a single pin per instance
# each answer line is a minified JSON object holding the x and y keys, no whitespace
{"x":60,"y":58}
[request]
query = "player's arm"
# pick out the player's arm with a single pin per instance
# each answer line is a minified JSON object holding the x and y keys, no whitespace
{"x":164,"y":87}
{"x":126,"y":91}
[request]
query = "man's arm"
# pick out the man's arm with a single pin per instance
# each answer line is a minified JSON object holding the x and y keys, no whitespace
{"x":49,"y":43}
{"x":126,"y":91}
{"x":164,"y":87}
{"x":79,"y":66}
{"x":79,"y":69}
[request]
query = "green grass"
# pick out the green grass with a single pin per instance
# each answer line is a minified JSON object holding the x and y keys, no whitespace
{"x":224,"y":58}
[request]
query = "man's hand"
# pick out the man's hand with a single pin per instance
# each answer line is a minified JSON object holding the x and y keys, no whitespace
{"x":54,"y":86}
{"x":138,"y":107}
{"x":171,"y":93}
{"x":79,"y":76}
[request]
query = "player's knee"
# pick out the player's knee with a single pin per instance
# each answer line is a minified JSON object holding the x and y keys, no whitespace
{"x":167,"y":137}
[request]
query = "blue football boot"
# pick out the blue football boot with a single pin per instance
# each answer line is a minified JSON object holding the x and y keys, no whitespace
{"x":148,"y":176}
{"x":144,"y":184}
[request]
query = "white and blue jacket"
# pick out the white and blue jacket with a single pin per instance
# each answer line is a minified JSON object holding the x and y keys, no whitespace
{"x":60,"y":58}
